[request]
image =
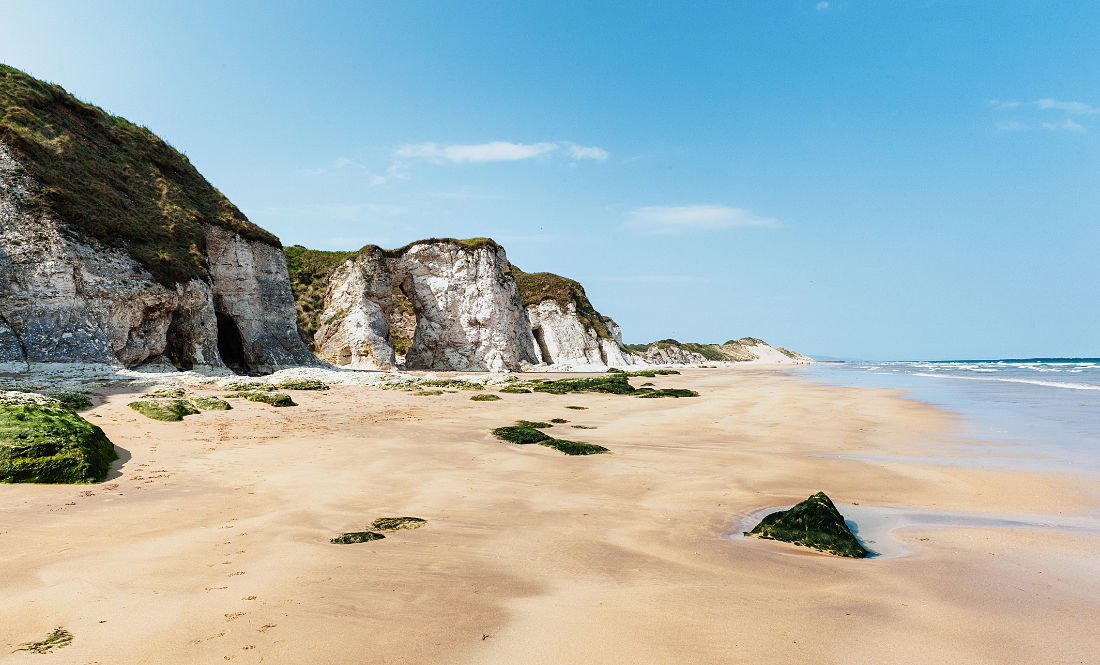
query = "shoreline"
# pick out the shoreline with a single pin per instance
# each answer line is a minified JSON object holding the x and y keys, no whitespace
{"x":602,"y":559}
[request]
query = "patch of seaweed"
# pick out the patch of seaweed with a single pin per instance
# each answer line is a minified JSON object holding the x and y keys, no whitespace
{"x":520,"y":434}
{"x":573,"y":447}
{"x":47,"y":443}
{"x":167,"y":410}
{"x":485,"y":397}
{"x":398,"y":523}
{"x":301,"y":384}
{"x":357,"y":537}
{"x":274,"y":399}
{"x":58,"y":639}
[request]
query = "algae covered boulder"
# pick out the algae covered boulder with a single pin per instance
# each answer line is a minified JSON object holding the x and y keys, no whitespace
{"x":41,"y":441}
{"x":813,"y":523}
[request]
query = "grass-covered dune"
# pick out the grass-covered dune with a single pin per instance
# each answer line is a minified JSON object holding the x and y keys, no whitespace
{"x":41,"y":441}
{"x":114,"y":181}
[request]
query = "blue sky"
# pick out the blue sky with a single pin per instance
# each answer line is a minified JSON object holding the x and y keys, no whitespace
{"x":859,"y":179}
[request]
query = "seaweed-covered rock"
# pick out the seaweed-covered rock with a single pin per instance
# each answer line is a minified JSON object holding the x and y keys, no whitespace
{"x":274,"y":399}
{"x":43,"y":442}
{"x":357,"y":537}
{"x":398,"y":523}
{"x":168,"y":410}
{"x":813,"y":523}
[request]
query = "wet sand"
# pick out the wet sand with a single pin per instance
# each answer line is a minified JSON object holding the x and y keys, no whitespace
{"x":210,"y":541}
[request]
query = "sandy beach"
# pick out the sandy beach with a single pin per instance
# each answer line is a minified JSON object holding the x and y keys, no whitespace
{"x":210,"y":540}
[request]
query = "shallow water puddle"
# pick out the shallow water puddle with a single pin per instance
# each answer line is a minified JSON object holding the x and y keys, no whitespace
{"x":874,"y":526}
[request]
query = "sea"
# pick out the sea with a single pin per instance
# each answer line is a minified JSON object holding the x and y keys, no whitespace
{"x":1045,"y":410}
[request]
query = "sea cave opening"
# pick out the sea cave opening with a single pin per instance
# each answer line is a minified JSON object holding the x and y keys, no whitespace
{"x":231,"y":345}
{"x":178,"y":342}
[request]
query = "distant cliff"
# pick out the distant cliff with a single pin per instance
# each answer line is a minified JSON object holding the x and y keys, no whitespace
{"x":114,"y":249}
{"x":746,"y":349}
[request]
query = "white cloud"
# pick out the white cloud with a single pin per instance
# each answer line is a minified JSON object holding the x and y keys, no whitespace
{"x":1068,"y":125}
{"x":678,"y":219}
{"x":495,"y":151}
{"x":586,"y":152}
{"x":1075,"y":108}
{"x":821,"y":6}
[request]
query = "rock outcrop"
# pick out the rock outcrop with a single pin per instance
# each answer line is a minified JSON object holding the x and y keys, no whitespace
{"x":462,"y":295}
{"x":355,"y":328}
{"x":813,"y":523}
{"x":113,"y":249}
{"x":746,"y":349}
{"x":567,"y":330}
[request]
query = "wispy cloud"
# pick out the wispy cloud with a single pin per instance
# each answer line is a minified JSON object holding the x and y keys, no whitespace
{"x":821,"y":6}
{"x":1067,"y":125}
{"x":341,"y":164}
{"x":586,"y":152}
{"x":494,"y":151}
{"x":665,"y":220}
{"x":1075,"y":108}
{"x":1036,"y":113}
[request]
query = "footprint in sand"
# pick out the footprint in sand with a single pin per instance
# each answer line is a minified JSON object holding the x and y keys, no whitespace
{"x":233,"y":616}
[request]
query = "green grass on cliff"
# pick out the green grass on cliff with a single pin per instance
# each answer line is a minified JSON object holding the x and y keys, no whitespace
{"x":534,"y":287}
{"x":47,"y":443}
{"x":114,"y":181}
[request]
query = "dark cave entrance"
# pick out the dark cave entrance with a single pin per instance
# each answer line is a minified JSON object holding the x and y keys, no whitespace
{"x":178,"y":341}
{"x":543,"y":349}
{"x":231,"y":345}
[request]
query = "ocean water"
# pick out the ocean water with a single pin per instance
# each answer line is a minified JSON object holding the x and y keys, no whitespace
{"x":1048,"y":409}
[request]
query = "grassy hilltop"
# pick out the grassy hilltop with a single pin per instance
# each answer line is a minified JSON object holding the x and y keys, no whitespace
{"x":112,"y":180}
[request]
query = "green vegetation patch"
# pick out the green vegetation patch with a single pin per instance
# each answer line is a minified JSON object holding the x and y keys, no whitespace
{"x":47,"y":443}
{"x":73,"y":400}
{"x":573,"y":447}
{"x":250,"y":386}
{"x":357,"y":537}
{"x":578,"y":408}
{"x":534,"y":287}
{"x":468,"y":244}
{"x":398,"y":523}
{"x":617,"y":384}
{"x":515,"y":390}
{"x":532,"y":423}
{"x":650,"y":373}
{"x":114,"y":181}
{"x":668,"y":392}
{"x":274,"y":399}
{"x":582,"y":427}
{"x":428,"y":393}
{"x":302,"y":384}
{"x":813,"y":523}
{"x":558,"y":420}
{"x":210,"y":404}
{"x":168,"y":410}
{"x":58,"y":639}
{"x":520,"y":434}
{"x":485,"y":397}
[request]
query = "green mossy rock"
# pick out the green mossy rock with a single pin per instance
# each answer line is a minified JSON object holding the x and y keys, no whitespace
{"x":397,"y":523}
{"x":357,"y":537}
{"x":274,"y":399}
{"x":302,"y":384}
{"x":667,"y":392}
{"x":520,"y":434}
{"x":573,"y":447}
{"x":210,"y":404}
{"x":168,"y":410}
{"x":515,"y":390}
{"x":47,"y":443}
{"x":558,"y":420}
{"x":813,"y":523}
{"x":485,"y":397}
{"x":617,"y":384}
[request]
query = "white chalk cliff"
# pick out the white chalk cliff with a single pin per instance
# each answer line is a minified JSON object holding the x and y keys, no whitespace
{"x":65,"y":297}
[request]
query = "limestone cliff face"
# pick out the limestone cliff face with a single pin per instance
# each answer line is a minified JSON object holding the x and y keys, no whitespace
{"x":672,"y":355}
{"x":65,"y":297}
{"x":251,"y":292}
{"x":563,"y":338}
{"x":468,"y":312}
{"x":355,"y":328}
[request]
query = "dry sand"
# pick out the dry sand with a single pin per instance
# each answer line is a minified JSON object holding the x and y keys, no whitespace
{"x":210,"y":542}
